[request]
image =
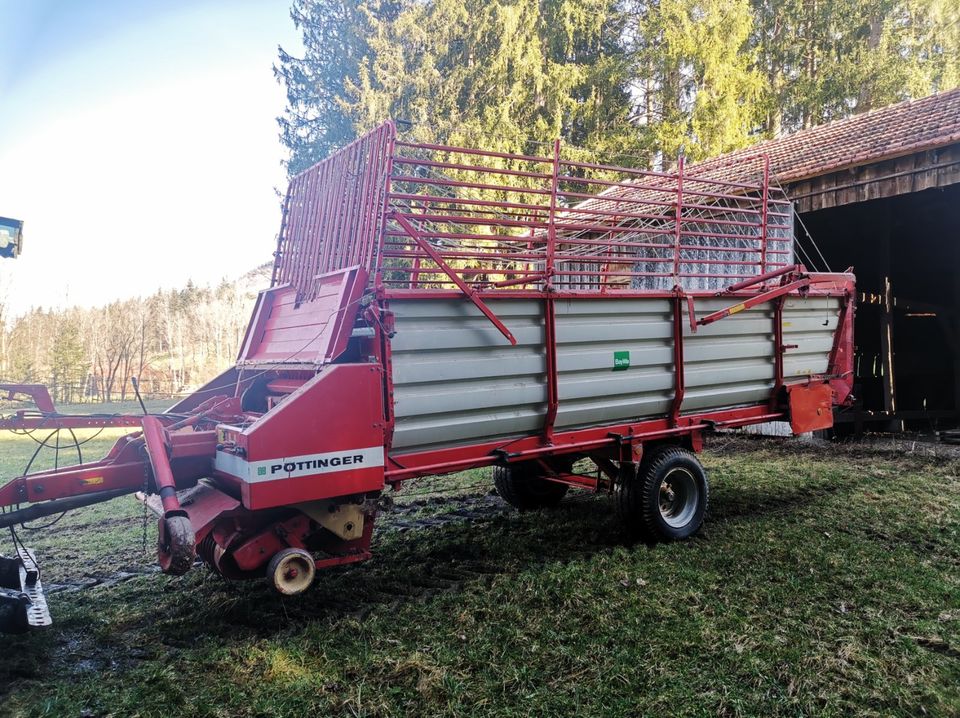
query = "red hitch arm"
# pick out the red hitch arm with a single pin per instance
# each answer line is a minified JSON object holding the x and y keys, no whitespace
{"x":121,"y":469}
{"x":760,"y":279}
{"x":46,"y":416}
{"x":37,"y":392}
{"x":753,"y":301}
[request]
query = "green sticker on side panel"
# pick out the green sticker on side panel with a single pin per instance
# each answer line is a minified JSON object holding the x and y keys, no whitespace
{"x":621,"y":361}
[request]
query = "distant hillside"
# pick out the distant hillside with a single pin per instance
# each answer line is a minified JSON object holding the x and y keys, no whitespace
{"x":172,"y":340}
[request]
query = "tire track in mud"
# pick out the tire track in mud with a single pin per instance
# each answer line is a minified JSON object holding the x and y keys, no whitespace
{"x":401,"y":575}
{"x":404,"y":517}
{"x":432,"y":512}
{"x":398,"y":518}
{"x":80,"y":655}
{"x":112,"y":579}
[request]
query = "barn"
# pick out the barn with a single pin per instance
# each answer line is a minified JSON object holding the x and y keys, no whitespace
{"x":880,"y":192}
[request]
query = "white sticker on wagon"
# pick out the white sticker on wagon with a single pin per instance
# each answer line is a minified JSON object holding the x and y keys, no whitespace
{"x":291,"y":467}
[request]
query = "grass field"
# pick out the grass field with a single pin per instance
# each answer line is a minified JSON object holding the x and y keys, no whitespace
{"x":825,"y":582}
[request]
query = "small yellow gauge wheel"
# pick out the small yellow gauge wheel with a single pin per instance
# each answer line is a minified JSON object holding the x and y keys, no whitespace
{"x":291,"y":571}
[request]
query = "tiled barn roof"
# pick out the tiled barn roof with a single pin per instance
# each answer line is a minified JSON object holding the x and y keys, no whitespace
{"x":894,"y":131}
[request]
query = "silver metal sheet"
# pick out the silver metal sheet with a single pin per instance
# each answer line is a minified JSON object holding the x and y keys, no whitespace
{"x":730,"y":362}
{"x":589,"y":334}
{"x":457,"y":380}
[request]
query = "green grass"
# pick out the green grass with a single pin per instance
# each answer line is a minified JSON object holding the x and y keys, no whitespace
{"x":88,"y":542}
{"x":825,"y":582}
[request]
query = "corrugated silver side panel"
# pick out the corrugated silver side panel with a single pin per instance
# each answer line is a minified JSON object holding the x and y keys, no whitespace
{"x":456,"y":380}
{"x":728,"y":362}
{"x":731,"y":362}
{"x":810,"y":324}
{"x":589,"y":332}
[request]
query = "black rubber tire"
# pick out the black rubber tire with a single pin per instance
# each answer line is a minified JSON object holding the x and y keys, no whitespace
{"x":638,"y":495}
{"x":521,"y":487}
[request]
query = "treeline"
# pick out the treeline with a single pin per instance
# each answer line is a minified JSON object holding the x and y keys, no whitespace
{"x":639,"y":79}
{"x":172,"y":341}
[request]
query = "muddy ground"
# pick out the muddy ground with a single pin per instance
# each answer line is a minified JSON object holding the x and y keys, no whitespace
{"x":826,"y":581}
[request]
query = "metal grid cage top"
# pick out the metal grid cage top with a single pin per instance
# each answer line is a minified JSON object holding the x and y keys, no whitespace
{"x":435,"y":217}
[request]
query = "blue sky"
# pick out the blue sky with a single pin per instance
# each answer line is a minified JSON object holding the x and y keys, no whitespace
{"x":138,"y":143}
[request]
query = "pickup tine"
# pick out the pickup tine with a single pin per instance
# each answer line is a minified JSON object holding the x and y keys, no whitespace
{"x":22,"y":603}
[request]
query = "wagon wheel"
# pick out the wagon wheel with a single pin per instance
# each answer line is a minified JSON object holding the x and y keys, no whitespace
{"x":667,"y":498}
{"x":521,"y":486}
{"x":291,"y":571}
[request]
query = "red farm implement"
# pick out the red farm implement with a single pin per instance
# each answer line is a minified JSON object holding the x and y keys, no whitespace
{"x":435,"y":309}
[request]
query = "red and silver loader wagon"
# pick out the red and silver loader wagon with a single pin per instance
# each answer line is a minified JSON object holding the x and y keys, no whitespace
{"x":434,"y":309}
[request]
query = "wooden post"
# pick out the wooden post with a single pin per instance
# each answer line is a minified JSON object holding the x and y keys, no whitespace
{"x":886,"y":329}
{"x":886,"y":348}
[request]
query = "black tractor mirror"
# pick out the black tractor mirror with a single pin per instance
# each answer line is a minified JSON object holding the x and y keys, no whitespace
{"x":11,"y":237}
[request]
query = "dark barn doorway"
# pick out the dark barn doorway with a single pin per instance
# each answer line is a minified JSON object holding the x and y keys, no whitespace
{"x":905,"y":251}
{"x":880,"y":192}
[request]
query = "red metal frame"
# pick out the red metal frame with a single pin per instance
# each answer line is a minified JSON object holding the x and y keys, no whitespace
{"x":37,"y":392}
{"x":122,"y":468}
{"x":454,"y":277}
{"x":778,"y":349}
{"x":754,"y":301}
{"x":44,"y":414}
{"x":679,"y":380}
{"x":603,"y":439}
{"x":678,"y":223}
{"x":334,"y":213}
{"x":550,"y":346}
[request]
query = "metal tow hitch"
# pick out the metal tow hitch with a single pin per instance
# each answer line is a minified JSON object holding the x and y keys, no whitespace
{"x":22,"y":603}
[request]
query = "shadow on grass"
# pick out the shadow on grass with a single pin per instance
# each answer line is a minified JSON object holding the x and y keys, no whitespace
{"x":147,"y":619}
{"x":732,"y":503}
{"x":419,"y":565}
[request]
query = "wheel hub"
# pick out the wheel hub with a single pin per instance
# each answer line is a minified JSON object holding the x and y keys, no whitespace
{"x":679,"y":496}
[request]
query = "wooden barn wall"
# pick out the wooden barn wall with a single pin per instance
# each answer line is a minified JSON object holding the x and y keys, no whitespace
{"x":889,"y":178}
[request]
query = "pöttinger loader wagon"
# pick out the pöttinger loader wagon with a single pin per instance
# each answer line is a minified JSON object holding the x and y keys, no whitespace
{"x":435,"y":309}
